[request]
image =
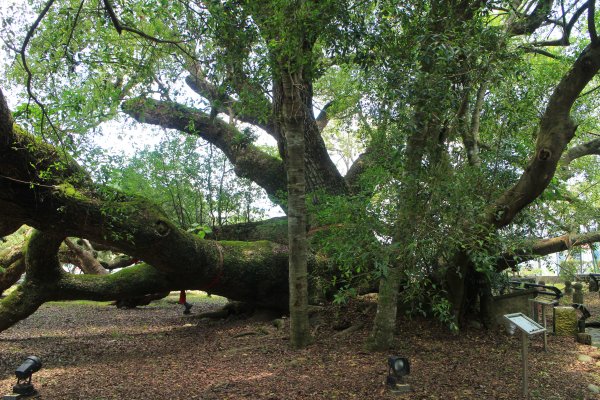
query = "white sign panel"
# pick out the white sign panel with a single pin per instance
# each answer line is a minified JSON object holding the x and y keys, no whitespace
{"x":525,"y":324}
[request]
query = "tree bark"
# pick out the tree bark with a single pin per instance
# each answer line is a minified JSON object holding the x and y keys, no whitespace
{"x":384,"y":324}
{"x":249,"y":162}
{"x":556,"y":129}
{"x":293,"y":92}
{"x":382,"y":333}
{"x":543,"y":247}
{"x":87,"y":263}
{"x":273,"y":229}
{"x":528,"y":24}
{"x":471,"y":135}
{"x":590,"y":148}
{"x":12,"y":266}
{"x":255,"y":272}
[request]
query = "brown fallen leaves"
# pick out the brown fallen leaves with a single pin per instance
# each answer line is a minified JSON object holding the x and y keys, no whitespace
{"x":100,"y":353}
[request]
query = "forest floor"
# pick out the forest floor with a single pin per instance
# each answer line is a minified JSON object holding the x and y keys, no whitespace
{"x":94,"y":351}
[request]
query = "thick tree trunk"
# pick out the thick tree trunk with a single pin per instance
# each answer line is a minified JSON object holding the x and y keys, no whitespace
{"x":384,"y":325}
{"x":293,"y":96}
{"x":255,"y":272}
{"x":248,"y":160}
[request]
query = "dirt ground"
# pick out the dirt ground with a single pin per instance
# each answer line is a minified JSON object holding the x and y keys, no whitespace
{"x":96,"y":352}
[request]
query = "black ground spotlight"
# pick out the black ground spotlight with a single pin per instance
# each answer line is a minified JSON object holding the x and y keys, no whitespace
{"x":398,"y":367}
{"x":24,"y":388}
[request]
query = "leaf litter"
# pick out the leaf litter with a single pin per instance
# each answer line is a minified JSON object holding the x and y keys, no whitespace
{"x":99,"y":352}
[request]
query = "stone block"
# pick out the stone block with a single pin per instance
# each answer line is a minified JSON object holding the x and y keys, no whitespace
{"x":512,"y":303}
{"x":565,"y":321}
{"x":584,"y":338}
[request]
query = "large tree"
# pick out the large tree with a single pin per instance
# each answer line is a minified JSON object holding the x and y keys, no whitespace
{"x":445,"y":97}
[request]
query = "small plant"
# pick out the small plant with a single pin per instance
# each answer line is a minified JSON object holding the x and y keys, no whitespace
{"x":200,"y":230}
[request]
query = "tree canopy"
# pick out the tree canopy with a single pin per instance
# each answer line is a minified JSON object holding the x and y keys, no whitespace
{"x":443,"y":143}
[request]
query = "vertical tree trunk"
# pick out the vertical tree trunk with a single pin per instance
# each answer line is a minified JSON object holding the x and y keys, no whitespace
{"x":456,"y":284}
{"x":384,"y":324}
{"x":294,"y":114}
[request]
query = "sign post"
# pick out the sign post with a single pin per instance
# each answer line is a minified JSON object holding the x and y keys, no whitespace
{"x":543,"y":303}
{"x":528,"y":327}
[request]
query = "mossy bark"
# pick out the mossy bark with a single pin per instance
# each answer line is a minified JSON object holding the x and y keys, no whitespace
{"x":293,"y":92}
{"x":252,"y":272}
{"x":384,"y":326}
{"x":67,"y":202}
{"x":43,"y":270}
{"x":11,"y":274}
{"x":12,"y":266}
{"x":274,"y":230}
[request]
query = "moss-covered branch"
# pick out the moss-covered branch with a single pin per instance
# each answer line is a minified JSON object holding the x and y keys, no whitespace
{"x":70,"y":204}
{"x":43,"y":271}
{"x":273,"y":229}
{"x":254,"y":114}
{"x":10,"y":273}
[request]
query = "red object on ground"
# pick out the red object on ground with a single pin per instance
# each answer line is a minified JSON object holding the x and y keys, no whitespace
{"x":181,"y":297}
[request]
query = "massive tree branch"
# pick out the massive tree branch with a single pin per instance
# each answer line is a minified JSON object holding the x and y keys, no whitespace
{"x":69,"y":203}
{"x":544,"y":247}
{"x":555,"y":131}
{"x":248,"y":161}
{"x":274,"y":230}
{"x":42,"y":269}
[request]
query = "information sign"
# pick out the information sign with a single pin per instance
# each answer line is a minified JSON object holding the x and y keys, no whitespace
{"x":525,"y":324}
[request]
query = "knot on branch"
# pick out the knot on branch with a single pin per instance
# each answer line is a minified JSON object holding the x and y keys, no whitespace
{"x":161,"y":228}
{"x":501,"y":212}
{"x":544,"y":154}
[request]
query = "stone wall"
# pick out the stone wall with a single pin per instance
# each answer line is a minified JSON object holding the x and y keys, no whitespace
{"x":517,"y":301}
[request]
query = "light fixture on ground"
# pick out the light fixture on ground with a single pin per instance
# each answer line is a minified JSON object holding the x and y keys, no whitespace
{"x":24,"y":388}
{"x":398,"y":367}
